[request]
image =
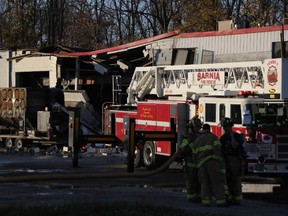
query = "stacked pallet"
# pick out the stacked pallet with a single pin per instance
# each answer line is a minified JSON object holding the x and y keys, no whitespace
{"x":12,"y":103}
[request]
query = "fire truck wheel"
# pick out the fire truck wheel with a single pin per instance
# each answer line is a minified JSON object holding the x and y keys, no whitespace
{"x":18,"y":143}
{"x":138,"y":157}
{"x":149,"y":156}
{"x":8,"y":143}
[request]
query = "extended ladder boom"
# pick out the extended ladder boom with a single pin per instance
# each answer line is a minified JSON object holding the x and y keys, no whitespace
{"x":264,"y":78}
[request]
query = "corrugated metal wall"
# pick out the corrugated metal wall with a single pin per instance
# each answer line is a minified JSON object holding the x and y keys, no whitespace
{"x":230,"y":47}
{"x":253,"y":46}
{"x":231,"y":44}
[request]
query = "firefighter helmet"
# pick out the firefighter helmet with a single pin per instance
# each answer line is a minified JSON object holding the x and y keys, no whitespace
{"x":226,"y":122}
{"x":205,"y":128}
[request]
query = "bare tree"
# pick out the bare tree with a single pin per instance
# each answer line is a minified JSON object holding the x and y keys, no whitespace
{"x":18,"y":20}
{"x":202,"y":16}
{"x":232,"y":8}
{"x":95,"y":24}
{"x":161,"y":14}
{"x":263,"y":12}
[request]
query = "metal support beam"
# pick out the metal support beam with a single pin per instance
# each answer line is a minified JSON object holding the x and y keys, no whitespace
{"x":134,"y":137}
{"x":77,"y":74}
{"x":156,"y":135}
{"x":74,"y":133}
{"x":100,"y":138}
{"x":131,"y":150}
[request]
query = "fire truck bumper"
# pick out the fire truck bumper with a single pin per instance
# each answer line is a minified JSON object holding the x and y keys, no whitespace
{"x":268,"y":168}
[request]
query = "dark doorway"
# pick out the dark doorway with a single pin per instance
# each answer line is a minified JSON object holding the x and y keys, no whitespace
{"x":32,"y":79}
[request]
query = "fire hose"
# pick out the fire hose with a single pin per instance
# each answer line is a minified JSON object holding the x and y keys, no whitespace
{"x":70,"y":176}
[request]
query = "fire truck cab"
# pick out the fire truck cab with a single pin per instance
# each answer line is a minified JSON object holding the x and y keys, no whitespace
{"x":263,"y":123}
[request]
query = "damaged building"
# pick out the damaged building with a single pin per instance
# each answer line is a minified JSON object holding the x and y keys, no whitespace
{"x":89,"y":73}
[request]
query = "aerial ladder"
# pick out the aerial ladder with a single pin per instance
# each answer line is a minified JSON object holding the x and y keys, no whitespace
{"x":204,"y":79}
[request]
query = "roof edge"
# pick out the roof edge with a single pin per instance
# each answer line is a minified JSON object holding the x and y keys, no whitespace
{"x":233,"y":31}
{"x":124,"y":46}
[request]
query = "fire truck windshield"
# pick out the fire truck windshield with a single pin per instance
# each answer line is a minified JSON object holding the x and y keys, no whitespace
{"x":268,"y":114}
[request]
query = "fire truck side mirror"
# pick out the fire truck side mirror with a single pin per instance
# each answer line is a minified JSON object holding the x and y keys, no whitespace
{"x":246,"y":117}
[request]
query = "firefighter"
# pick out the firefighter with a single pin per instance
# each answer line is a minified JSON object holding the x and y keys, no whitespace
{"x":189,"y":167}
{"x":208,"y":158}
{"x":234,"y":155}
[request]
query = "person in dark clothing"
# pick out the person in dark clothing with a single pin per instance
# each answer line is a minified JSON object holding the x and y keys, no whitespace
{"x":185,"y":154}
{"x":208,"y":159}
{"x":234,"y":155}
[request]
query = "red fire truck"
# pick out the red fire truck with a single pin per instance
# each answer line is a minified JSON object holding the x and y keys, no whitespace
{"x":253,"y":94}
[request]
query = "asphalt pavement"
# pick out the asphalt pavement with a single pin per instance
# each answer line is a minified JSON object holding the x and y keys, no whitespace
{"x":165,"y":188}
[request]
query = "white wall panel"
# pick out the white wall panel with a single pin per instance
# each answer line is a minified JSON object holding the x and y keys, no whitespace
{"x":4,"y":69}
{"x":252,"y":44}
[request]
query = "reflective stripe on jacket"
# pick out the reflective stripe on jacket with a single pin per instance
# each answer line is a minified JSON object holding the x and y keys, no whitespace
{"x":205,"y":147}
{"x":188,"y":159}
{"x":184,"y":143}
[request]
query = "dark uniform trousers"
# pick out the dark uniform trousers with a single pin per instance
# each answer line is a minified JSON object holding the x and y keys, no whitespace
{"x":193,"y":186}
{"x":234,"y":177}
{"x":212,"y":179}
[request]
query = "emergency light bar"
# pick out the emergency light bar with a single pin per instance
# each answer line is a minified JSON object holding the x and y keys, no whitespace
{"x":246,"y":93}
{"x":223,"y":93}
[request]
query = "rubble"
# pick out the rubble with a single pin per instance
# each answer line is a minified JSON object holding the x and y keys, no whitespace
{"x":52,"y":150}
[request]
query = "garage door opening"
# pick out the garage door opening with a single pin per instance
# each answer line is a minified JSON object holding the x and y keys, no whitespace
{"x":32,"y":79}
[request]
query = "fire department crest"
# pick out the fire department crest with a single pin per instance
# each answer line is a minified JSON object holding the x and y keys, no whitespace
{"x":272,"y":75}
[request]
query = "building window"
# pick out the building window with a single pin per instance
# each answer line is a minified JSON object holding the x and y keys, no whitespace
{"x":276,"y":49}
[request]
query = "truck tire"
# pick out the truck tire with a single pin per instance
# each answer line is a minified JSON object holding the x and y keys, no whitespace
{"x":149,"y":155}
{"x":138,"y":157}
{"x":18,"y":143}
{"x":8,"y":143}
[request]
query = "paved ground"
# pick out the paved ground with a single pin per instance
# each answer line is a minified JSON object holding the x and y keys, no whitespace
{"x":165,"y":188}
